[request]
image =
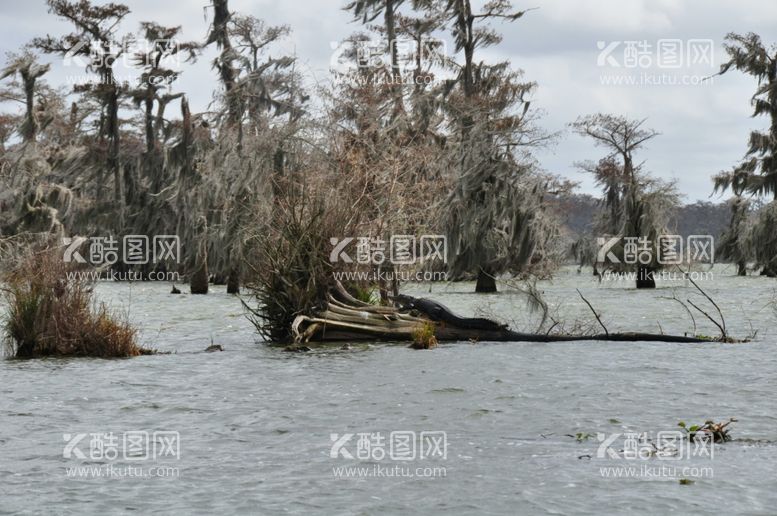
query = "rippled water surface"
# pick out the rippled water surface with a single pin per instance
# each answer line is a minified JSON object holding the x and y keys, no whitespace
{"x":255,"y":422}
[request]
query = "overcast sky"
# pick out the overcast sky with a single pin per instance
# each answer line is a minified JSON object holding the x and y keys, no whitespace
{"x":704,"y":126}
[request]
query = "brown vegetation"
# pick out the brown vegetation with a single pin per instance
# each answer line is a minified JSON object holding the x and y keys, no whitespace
{"x":423,"y":337}
{"x":51,"y":313}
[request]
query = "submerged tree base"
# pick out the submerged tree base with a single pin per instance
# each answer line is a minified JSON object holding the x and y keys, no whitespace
{"x":486,"y":283}
{"x":645,"y":278}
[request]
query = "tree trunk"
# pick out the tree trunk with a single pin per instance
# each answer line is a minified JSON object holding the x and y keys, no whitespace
{"x":198,"y":283}
{"x":30,"y":126}
{"x":486,"y":283}
{"x":645,"y":277}
{"x":396,"y":85}
{"x":391,"y":35}
{"x":113,"y":142}
{"x":227,"y":72}
{"x":741,"y":269}
{"x":233,"y":281}
{"x":149,"y":123}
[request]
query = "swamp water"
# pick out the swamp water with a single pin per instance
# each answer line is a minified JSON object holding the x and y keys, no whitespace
{"x":250,"y":430}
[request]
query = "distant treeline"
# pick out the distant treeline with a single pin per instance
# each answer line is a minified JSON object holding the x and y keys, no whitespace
{"x":699,"y":218}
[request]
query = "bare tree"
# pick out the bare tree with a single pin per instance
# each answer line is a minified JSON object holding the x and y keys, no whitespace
{"x":734,"y":244}
{"x":368,"y":11}
{"x":26,"y":66}
{"x":94,"y":39}
{"x":495,"y":217}
{"x":636,"y":205}
{"x":157,"y":76}
{"x":219,"y":34}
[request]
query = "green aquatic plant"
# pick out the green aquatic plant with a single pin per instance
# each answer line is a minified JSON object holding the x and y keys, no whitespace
{"x":580,"y":436}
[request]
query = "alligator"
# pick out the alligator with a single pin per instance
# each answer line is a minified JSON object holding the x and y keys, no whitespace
{"x":438,"y":312}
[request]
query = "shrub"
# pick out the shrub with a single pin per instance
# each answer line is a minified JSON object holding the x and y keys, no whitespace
{"x":291,"y":273}
{"x":51,"y":313}
{"x":288,"y":247}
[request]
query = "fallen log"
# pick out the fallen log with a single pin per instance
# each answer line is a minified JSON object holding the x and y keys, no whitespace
{"x":348,"y":319}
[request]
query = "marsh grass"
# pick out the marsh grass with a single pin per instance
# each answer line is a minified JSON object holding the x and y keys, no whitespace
{"x":423,"y":337}
{"x":51,"y":312}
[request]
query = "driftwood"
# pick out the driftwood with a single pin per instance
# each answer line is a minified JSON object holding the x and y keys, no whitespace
{"x":346,"y":318}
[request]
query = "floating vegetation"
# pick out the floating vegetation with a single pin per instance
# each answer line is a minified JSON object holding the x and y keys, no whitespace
{"x":582,"y":436}
{"x":717,"y":432}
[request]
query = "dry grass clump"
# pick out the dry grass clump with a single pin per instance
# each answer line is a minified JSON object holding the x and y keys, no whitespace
{"x":423,"y":337}
{"x":50,"y":312}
